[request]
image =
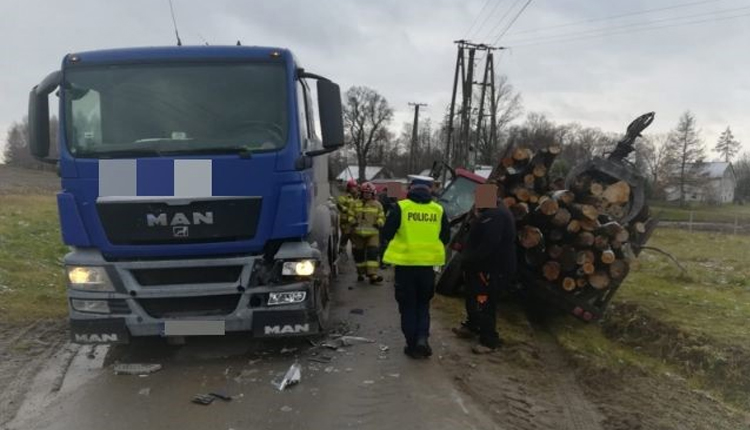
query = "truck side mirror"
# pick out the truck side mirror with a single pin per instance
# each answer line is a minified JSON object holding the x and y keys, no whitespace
{"x":39,"y":115}
{"x":331,"y":117}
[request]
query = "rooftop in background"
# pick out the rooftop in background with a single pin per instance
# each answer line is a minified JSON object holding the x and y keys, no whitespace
{"x":352,"y":172}
{"x":715,"y":169}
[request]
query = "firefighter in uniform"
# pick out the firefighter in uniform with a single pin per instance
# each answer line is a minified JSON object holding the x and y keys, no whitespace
{"x":417,"y":231}
{"x":367,"y":218}
{"x":344,"y":203}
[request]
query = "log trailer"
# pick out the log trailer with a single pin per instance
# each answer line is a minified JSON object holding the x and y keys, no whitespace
{"x":195,"y":196}
{"x":576,"y":236}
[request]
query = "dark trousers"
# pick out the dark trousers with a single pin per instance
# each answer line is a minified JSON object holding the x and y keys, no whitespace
{"x":415,"y":287}
{"x":482,"y":289}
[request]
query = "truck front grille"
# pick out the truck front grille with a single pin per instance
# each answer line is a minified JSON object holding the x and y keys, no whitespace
{"x":187,"y":275}
{"x":174,"y":307}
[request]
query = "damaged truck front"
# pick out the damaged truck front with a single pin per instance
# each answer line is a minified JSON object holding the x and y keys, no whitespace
{"x":194,"y":191}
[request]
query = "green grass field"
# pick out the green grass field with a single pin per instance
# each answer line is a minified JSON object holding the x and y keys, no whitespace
{"x":702,"y":213}
{"x":31,"y":273}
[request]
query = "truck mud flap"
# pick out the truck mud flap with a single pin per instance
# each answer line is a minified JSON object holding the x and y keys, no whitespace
{"x":111,"y":331}
{"x":284,"y":323}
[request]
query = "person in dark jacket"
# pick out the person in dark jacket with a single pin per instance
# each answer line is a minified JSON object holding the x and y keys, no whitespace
{"x":489,"y":262}
{"x":417,"y":231}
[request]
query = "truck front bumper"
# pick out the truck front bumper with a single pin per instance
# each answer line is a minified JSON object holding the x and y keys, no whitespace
{"x":148,"y":296}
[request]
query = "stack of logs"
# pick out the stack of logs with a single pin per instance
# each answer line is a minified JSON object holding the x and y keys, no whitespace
{"x":569,"y":238}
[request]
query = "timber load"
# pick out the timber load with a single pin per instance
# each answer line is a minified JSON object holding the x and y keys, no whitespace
{"x":577,"y":236}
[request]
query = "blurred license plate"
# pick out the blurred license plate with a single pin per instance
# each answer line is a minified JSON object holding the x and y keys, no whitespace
{"x":193,"y":328}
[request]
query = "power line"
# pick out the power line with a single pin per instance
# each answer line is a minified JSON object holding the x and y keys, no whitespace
{"x":597,"y":31}
{"x":505,"y":15}
{"x":640,"y":30}
{"x":611,"y":17}
{"x":518,"y":15}
{"x":476,"y":19}
{"x":487,"y":17}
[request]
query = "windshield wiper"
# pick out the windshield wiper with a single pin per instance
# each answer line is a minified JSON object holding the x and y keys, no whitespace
{"x":243,"y":152}
{"x":119,"y":153}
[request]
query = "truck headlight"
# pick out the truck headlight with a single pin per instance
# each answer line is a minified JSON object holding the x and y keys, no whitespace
{"x":90,"y":306}
{"x":286,"y":298}
{"x":298,"y":268}
{"x":89,"y":278}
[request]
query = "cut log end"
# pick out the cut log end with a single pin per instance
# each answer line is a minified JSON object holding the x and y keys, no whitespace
{"x":551,"y":270}
{"x":599,"y":280}
{"x":569,"y":284}
{"x":530,"y":237}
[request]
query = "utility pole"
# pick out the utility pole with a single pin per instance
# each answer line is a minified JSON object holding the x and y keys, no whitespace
{"x":414,"y":136}
{"x":458,"y":149}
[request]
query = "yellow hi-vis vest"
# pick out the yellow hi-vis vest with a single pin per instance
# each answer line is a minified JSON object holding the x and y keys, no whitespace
{"x":417,"y":241}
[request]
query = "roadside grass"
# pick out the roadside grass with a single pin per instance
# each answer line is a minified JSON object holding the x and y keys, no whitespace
{"x":31,"y":273}
{"x":662,"y":322}
{"x":727,"y":213}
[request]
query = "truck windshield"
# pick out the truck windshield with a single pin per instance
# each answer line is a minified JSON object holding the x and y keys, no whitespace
{"x":458,"y":197}
{"x":152,"y":110}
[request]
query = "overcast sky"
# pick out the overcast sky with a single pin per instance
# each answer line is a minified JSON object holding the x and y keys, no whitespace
{"x":404,"y":49}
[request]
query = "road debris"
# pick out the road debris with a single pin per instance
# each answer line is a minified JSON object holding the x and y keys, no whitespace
{"x":292,"y":377}
{"x":368,"y":382}
{"x":339,"y":342}
{"x":221,"y":395}
{"x":144,"y":391}
{"x":357,"y":311}
{"x":136,"y":368}
{"x":288,"y":350}
{"x":384,"y":348}
{"x":286,"y":409}
{"x":320,"y":359}
{"x":203,"y":399}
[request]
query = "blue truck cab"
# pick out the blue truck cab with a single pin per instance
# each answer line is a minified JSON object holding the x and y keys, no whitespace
{"x":195,"y":197}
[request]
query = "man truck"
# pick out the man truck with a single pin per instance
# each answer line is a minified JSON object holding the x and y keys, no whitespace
{"x":194,"y":196}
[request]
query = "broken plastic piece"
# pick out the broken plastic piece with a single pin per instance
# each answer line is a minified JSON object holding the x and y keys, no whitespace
{"x":353,"y":340}
{"x":203,"y":399}
{"x":292,"y":377}
{"x":136,"y":369}
{"x":221,"y":395}
{"x":320,"y":359}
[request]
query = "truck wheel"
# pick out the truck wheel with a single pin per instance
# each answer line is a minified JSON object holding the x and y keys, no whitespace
{"x":323,"y":303}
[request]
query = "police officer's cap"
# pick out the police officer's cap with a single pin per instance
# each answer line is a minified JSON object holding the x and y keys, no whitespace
{"x":419,"y":180}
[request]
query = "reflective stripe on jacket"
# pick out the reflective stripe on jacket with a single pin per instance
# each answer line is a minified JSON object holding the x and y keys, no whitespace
{"x":367,"y":217}
{"x":417,"y":241}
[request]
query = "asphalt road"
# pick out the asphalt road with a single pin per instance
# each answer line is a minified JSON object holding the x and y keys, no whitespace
{"x":361,"y":387}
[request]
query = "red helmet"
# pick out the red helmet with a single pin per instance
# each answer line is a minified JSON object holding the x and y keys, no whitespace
{"x":351,"y":184}
{"x":367,"y":188}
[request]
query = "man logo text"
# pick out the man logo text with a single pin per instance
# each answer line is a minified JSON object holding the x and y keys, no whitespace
{"x":96,"y":338}
{"x":287,"y":329}
{"x":179,"y":218}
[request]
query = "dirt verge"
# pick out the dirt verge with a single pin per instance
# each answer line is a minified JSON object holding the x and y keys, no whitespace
{"x":23,"y":351}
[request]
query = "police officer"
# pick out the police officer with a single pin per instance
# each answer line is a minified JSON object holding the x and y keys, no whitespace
{"x":417,"y":231}
{"x":489,"y":264}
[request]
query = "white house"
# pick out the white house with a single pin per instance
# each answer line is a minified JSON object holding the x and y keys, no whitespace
{"x":719,"y":187}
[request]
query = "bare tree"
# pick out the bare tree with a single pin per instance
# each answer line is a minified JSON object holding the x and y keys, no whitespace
{"x":658,"y":159}
{"x":508,"y":107}
{"x":686,"y":145}
{"x":727,"y":146}
{"x":366,"y":117}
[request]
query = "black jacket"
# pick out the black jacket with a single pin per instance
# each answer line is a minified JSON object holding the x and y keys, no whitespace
{"x":393,"y":220}
{"x":491,"y":243}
